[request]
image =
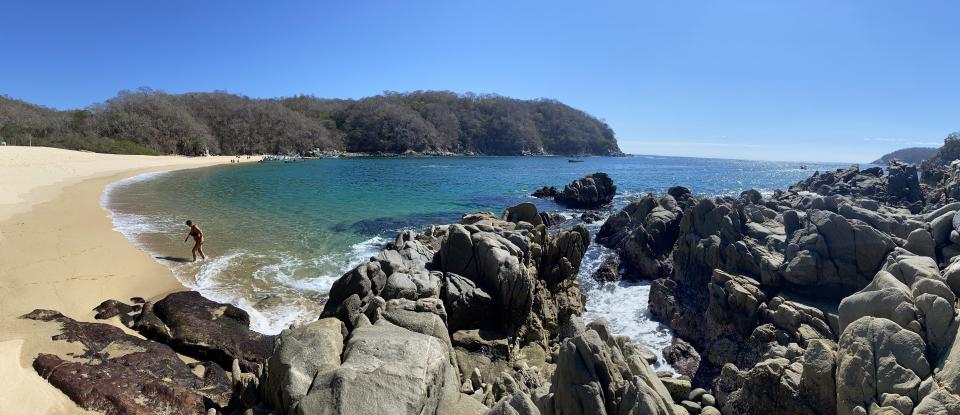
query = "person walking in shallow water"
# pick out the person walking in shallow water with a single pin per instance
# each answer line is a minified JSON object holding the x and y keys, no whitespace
{"x":197,"y":235}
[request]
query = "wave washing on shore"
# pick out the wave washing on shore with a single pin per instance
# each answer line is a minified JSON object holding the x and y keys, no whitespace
{"x":278,"y":243}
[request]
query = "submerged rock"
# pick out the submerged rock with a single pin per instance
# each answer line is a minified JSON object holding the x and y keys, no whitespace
{"x":545,"y":192}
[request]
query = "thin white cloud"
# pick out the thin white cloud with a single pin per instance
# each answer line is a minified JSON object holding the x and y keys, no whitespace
{"x":904,"y":141}
{"x":675,"y":143}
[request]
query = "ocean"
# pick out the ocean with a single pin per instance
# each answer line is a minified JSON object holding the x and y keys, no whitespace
{"x":279,"y":234}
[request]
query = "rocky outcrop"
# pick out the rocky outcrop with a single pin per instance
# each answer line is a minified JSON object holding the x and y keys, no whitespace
{"x":408,"y":371}
{"x":900,"y":187}
{"x":879,"y":361}
{"x":205,"y":329}
{"x":118,"y":373}
{"x":644,"y":233}
{"x":609,"y":270}
{"x":590,"y":192}
{"x":471,"y":308}
{"x":300,"y":355}
{"x":833,"y":252}
{"x":545,"y":192}
{"x":598,"y":373}
{"x":841,"y":301}
{"x":682,"y":357}
{"x":903,"y":184}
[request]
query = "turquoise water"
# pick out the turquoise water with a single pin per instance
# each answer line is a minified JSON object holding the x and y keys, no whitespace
{"x":278,"y":234}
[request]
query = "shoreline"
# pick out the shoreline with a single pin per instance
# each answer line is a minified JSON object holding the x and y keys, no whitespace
{"x":60,"y":251}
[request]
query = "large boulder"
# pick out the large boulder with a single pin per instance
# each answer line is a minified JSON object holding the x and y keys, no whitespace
{"x":903,"y":184}
{"x":494,"y":263}
{"x":597,"y":374}
{"x":770,"y":387}
{"x":832,"y":252}
{"x":524,"y":212}
{"x":300,"y":354}
{"x":466,"y":303}
{"x":877,"y":357}
{"x":646,"y":249}
{"x":682,"y":357}
{"x":206,"y":330}
{"x":396,"y":272}
{"x":385,"y":369}
{"x":590,"y":192}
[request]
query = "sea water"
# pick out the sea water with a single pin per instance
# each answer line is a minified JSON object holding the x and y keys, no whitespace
{"x":279,"y":234}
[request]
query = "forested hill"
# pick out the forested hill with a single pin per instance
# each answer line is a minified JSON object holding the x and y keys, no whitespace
{"x":912,"y":155}
{"x":148,"y":121}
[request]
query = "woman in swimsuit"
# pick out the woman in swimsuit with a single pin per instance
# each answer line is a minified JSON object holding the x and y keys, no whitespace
{"x":197,"y":235}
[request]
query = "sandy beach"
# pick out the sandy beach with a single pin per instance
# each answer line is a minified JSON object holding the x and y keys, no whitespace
{"x":59,"y":251}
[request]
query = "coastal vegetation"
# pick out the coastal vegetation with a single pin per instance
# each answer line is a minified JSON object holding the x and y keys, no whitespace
{"x":147,"y":121}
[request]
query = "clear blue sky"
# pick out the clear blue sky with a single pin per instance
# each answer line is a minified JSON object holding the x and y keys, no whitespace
{"x":803,"y":80}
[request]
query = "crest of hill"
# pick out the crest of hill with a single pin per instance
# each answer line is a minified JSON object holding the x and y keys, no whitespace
{"x":912,"y":155}
{"x":426,"y":122}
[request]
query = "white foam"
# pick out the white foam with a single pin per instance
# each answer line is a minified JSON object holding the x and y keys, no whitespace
{"x":625,"y":305}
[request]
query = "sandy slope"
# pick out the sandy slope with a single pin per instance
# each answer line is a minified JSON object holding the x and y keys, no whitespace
{"x":58,"y":251}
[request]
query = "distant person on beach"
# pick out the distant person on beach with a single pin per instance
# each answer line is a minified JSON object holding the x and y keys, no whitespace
{"x":197,"y":235}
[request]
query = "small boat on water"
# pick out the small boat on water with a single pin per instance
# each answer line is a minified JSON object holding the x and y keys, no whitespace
{"x":574,"y":161}
{"x":803,"y":167}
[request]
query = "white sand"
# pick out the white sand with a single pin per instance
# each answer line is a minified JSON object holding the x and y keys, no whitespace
{"x":58,"y":251}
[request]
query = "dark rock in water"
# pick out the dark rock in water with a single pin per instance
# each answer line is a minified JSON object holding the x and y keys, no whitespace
{"x":609,"y":270}
{"x":377,"y":226}
{"x":591,"y":216}
{"x":124,"y":374}
{"x":205,"y":329}
{"x":590,"y":192}
{"x":524,"y":212}
{"x":683,"y":357}
{"x":545,"y":192}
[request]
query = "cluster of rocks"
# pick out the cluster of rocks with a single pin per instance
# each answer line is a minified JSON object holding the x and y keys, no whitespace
{"x":589,"y":192}
{"x":941,"y":184}
{"x":479,"y":317}
{"x":840,"y":301}
{"x":119,"y":373}
{"x":901,"y":185}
